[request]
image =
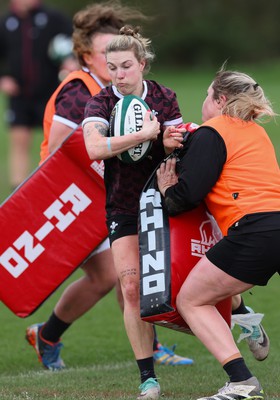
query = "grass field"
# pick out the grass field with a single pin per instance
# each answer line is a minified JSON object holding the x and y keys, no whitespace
{"x":96,"y":351}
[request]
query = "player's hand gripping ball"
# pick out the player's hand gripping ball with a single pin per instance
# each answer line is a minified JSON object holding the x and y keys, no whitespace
{"x":126,"y":118}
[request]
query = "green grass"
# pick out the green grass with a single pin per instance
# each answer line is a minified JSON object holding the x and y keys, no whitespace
{"x":96,"y":350}
{"x":191,"y":86}
{"x":100,"y":362}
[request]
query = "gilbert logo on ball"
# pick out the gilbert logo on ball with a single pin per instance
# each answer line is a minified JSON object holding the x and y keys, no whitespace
{"x":127,"y":118}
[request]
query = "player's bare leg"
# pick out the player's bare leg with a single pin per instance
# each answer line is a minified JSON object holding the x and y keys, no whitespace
{"x":19,"y":154}
{"x":100,"y":277}
{"x":79,"y":297}
{"x":196,"y":303}
{"x":140,"y":333}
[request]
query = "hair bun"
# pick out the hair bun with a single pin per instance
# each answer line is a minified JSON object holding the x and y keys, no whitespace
{"x":130,"y":31}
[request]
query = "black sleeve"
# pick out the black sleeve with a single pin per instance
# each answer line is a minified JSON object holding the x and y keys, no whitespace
{"x":3,"y":48}
{"x":64,"y":24}
{"x":200,"y":165}
{"x":59,"y":21}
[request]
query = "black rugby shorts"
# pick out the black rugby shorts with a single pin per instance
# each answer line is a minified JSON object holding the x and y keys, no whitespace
{"x":27,"y":112}
{"x":250,"y":252}
{"x":122,"y":225}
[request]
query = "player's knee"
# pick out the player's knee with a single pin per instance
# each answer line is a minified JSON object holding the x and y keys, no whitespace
{"x":102,"y":283}
{"x":106,"y":285}
{"x":131,"y":292}
{"x":110,"y":282}
{"x":183,"y":302}
{"x":179,"y":302}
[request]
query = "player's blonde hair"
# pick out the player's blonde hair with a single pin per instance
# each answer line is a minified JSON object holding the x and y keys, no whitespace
{"x":129,"y":39}
{"x":245,"y":99}
{"x":105,"y":17}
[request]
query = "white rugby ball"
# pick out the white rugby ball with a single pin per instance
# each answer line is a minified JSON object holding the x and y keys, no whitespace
{"x":60,"y":47}
{"x":127,"y":118}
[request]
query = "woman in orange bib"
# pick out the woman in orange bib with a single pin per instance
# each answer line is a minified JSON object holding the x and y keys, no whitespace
{"x":230,"y":163}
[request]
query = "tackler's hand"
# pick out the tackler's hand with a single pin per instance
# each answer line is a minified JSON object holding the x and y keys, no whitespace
{"x":166,"y":175}
{"x":173,"y":138}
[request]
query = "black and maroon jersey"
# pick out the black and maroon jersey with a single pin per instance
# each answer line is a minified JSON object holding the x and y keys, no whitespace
{"x":70,"y":103}
{"x":71,"y":100}
{"x":124,"y":182}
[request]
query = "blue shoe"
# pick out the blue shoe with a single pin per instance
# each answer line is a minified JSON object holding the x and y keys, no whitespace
{"x":165,"y":356}
{"x":48,"y":353}
{"x":150,"y":389}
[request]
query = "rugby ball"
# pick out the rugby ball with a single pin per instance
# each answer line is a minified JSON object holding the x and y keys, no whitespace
{"x":60,"y":47}
{"x":126,"y":118}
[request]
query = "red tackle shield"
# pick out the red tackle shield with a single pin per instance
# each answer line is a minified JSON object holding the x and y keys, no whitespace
{"x":169,"y":249}
{"x":50,"y":225}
